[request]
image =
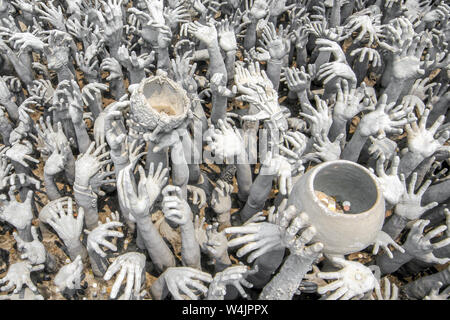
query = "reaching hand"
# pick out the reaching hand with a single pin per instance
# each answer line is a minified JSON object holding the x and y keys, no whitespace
{"x":390,"y":183}
{"x":19,"y":275}
{"x":114,"y":68}
{"x":296,"y":141}
{"x":381,"y":145}
{"x":225,"y":142}
{"x":327,"y":150}
{"x":174,"y":207}
{"x":258,"y":10}
{"x":282,"y":167}
{"x":276,"y":8}
{"x":57,"y":161}
{"x":114,"y":136}
{"x":91,"y":89}
{"x":98,"y":237}
{"x":19,"y":214}
{"x":385,"y":119}
{"x":231,"y":276}
{"x":51,"y":139}
{"x":350,"y":101}
{"x":207,"y":34}
{"x":20,"y":151}
{"x":67,"y":226}
{"x":33,"y":251}
{"x":27,"y":41}
{"x":69,"y":276}
{"x":435,"y":295}
{"x":220,"y":198}
{"x":132,"y":198}
{"x":333,"y":47}
{"x":53,"y":15}
{"x":89,"y":65}
{"x":89,"y":163}
{"x":331,"y":70}
{"x":198,"y":195}
{"x":372,"y":56}
{"x":390,"y":291}
{"x":277,"y":43}
{"x":178,"y":281}
{"x":353,"y":280}
{"x":262,"y":237}
{"x":421,"y":140}
{"x":133,"y":62}
{"x":176,"y":15}
{"x":131,"y":265}
{"x":419,"y":245}
{"x":320,"y":119}
{"x":407,"y":64}
{"x":216,"y":246}
{"x":383,"y":240}
{"x":297,"y":80}
{"x":227,"y":35}
{"x":409,"y":206}
{"x":5,"y":170}
{"x":257,"y":238}
{"x":369,"y":25}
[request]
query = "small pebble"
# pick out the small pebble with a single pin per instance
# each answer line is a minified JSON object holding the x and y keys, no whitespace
{"x":346,"y":205}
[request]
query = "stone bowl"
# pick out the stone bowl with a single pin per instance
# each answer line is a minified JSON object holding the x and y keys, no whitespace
{"x":341,"y":232}
{"x":159,"y":101}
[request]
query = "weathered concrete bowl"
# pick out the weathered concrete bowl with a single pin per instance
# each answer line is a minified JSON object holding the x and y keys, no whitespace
{"x":159,"y":101}
{"x":341,"y":233}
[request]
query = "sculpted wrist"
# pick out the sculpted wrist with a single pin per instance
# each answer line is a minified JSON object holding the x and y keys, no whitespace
{"x":119,"y":159}
{"x":75,"y":248}
{"x":216,"y":291}
{"x":81,"y":181}
{"x":73,"y":245}
{"x":25,"y":233}
{"x":85,"y":197}
{"x":213,"y":45}
{"x":277,"y":62}
{"x":223,"y":262}
{"x":224,"y":218}
{"x":231,"y":53}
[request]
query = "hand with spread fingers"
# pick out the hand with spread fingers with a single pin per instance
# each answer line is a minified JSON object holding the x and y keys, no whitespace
{"x":97,"y":237}
{"x":33,"y":251}
{"x":419,"y":245}
{"x":132,"y":266}
{"x":19,"y":275}
{"x":352,"y":281}
{"x":185,"y":283}
{"x":69,"y":276}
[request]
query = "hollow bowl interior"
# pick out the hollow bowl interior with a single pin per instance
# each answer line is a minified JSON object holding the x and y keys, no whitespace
{"x":163,"y":98}
{"x":346,"y":182}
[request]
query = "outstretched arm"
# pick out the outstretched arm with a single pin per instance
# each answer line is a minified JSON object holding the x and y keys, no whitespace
{"x":177,"y":211}
{"x":284,"y":285}
{"x":138,"y":199}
